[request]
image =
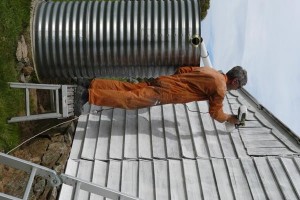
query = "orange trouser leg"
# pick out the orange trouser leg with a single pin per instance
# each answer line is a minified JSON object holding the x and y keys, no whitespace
{"x":106,"y":84}
{"x":139,"y":98}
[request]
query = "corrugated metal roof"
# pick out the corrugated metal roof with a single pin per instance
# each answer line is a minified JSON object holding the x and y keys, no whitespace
{"x":179,"y":152}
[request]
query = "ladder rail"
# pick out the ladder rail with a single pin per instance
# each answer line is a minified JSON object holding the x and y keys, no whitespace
{"x":8,"y":197}
{"x":34,"y":86}
{"x":34,"y":117}
{"x":78,"y":184}
{"x":27,"y":166}
{"x":57,"y":180}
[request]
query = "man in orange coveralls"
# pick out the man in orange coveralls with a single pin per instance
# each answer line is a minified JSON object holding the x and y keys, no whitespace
{"x":186,"y":85}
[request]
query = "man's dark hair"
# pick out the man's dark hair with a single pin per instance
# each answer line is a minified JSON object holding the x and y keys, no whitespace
{"x":238,"y":72}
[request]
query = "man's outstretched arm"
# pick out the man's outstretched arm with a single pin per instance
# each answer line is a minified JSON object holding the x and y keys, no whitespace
{"x":216,"y":111}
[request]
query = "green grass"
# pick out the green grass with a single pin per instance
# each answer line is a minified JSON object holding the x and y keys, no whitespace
{"x":14,"y":19}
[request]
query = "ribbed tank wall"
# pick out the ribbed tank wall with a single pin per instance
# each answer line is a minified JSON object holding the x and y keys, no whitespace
{"x":126,"y":38}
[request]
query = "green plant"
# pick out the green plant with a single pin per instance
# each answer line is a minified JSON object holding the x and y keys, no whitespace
{"x":205,"y":4}
{"x":14,"y":19}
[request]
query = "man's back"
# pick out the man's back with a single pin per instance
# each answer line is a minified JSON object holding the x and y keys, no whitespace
{"x":193,"y":83}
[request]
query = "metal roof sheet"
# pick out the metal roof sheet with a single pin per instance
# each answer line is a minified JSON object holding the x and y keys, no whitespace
{"x":179,"y":152}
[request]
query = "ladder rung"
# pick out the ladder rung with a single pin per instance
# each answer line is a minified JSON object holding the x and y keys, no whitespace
{"x":77,"y":189}
{"x":71,"y":89}
{"x":27,"y":101}
{"x":29,"y":184}
{"x":70,"y":111}
{"x":57,"y":101}
{"x":70,"y":93}
{"x":70,"y":102}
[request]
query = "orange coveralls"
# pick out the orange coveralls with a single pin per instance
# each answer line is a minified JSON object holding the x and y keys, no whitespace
{"x":186,"y":85}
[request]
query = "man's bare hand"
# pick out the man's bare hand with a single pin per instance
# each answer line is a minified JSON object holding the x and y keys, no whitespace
{"x":233,"y":120}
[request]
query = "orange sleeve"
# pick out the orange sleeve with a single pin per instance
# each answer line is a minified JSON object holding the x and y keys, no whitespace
{"x":216,"y":108}
{"x":186,"y":69}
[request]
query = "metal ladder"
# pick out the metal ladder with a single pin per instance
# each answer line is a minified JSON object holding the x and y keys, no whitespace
{"x":56,"y":180}
{"x":63,"y":98}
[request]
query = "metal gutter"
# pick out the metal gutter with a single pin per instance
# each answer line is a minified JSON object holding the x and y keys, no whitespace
{"x":271,"y":115}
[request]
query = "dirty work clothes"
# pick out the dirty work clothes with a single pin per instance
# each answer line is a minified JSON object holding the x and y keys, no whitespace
{"x":121,"y":94}
{"x":186,"y":85}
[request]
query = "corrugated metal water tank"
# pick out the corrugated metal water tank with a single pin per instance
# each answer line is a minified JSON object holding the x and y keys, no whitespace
{"x":126,"y":38}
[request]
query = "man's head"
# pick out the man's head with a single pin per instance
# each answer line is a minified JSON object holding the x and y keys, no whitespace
{"x":237,"y":78}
